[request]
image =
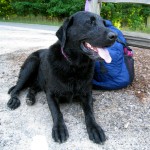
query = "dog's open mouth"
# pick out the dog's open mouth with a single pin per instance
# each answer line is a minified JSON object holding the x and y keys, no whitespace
{"x":101,"y":52}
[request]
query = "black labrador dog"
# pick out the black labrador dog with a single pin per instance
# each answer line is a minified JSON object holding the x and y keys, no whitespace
{"x":65,"y":71}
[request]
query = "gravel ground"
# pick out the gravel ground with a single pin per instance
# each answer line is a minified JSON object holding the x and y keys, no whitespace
{"x":123,"y":114}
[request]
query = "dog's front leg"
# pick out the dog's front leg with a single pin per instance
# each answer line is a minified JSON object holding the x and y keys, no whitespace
{"x":96,"y":134}
{"x":59,"y":131}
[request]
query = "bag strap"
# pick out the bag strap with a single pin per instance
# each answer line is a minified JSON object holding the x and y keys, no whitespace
{"x":124,"y":44}
{"x":127,"y":50}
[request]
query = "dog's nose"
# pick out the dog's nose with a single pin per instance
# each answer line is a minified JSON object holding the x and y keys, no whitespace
{"x":112,"y":36}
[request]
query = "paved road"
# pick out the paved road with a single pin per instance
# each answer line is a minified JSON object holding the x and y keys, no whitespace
{"x":30,"y":26}
{"x":19,"y":36}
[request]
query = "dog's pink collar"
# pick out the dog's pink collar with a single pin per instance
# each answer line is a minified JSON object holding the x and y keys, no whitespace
{"x":65,"y":56}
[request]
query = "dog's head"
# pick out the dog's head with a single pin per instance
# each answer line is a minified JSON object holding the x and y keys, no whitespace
{"x":87,"y":33}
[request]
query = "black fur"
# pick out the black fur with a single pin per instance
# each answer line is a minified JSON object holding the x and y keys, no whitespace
{"x":66,"y":78}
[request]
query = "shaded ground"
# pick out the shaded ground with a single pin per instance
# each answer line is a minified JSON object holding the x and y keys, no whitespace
{"x":123,"y":114}
{"x":141,"y":84}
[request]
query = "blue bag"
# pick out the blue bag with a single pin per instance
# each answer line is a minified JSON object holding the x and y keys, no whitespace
{"x":120,"y":72}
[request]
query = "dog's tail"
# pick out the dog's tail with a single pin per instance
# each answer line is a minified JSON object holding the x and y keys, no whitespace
{"x":9,"y":91}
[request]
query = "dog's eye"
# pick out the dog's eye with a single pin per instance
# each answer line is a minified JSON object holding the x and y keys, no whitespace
{"x":93,"y":21}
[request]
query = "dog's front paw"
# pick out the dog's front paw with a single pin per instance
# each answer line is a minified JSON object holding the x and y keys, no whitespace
{"x":96,"y":134}
{"x":13,"y":103}
{"x":60,"y":133}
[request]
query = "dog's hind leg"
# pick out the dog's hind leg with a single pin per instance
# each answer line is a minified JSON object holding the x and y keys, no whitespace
{"x":30,"y":98}
{"x":27,"y":75}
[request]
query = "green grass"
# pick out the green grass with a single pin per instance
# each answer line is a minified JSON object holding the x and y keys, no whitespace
{"x":34,"y":20}
{"x":147,"y":30}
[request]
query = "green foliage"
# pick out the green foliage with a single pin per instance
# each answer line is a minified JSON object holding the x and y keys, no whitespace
{"x":133,"y":16}
{"x":21,"y":8}
{"x":5,"y":9}
{"x":28,"y":8}
{"x":64,"y":8}
{"x":51,"y":8}
{"x":124,"y":14}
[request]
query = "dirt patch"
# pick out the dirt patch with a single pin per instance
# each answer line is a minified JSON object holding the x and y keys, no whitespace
{"x":141,"y":84}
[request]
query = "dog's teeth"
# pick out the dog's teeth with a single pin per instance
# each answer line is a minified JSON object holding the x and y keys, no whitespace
{"x":88,"y":45}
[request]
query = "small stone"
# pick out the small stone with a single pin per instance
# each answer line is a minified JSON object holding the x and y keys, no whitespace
{"x":126,"y":125}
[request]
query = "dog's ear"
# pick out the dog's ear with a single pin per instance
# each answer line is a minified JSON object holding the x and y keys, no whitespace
{"x":62,"y":31}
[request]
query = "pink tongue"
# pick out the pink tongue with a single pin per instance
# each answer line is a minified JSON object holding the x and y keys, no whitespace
{"x":103,"y":53}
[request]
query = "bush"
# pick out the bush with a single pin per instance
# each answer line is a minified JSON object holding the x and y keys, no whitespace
{"x":22,"y":8}
{"x":58,"y":8}
{"x":5,"y":9}
{"x":132,"y":15}
{"x":53,"y":8}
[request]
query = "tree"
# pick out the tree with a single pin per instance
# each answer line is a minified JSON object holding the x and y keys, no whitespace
{"x":5,"y":9}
